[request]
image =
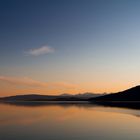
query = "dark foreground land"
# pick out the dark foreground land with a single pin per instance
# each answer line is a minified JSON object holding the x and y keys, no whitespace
{"x":129,"y":98}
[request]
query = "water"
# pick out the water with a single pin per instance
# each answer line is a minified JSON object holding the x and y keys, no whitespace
{"x":68,"y":122}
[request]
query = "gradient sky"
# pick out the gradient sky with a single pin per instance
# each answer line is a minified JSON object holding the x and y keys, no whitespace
{"x":69,"y":46}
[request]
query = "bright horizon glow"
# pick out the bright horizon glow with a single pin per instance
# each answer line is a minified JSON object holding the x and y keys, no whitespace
{"x":67,"y":46}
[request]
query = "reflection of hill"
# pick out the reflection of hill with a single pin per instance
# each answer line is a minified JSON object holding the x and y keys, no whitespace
{"x":50,"y":103}
{"x":80,"y":105}
{"x":122,"y":104}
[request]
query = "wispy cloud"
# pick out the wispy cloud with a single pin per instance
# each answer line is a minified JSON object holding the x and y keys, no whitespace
{"x":40,"y":51}
{"x":25,"y":81}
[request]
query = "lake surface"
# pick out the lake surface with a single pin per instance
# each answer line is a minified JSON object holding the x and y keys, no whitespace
{"x":68,"y":122}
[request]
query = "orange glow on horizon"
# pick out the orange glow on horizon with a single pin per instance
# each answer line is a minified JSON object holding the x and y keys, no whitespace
{"x":17,"y":90}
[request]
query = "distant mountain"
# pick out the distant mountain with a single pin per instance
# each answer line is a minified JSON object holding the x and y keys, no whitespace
{"x":65,"y":94}
{"x":62,"y":97}
{"x":132,"y":94}
{"x":86,"y":95}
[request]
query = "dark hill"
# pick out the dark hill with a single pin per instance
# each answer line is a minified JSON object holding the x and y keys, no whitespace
{"x":29,"y":97}
{"x":132,"y":94}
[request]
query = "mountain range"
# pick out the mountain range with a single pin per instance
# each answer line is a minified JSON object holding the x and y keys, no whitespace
{"x":62,"y":97}
{"x":129,"y":95}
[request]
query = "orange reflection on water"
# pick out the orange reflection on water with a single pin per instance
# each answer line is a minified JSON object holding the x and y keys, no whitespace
{"x":81,"y":120}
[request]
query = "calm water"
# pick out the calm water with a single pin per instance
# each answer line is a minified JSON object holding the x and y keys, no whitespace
{"x":68,"y":122}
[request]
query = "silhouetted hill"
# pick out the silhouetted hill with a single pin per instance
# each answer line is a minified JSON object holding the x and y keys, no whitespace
{"x":28,"y":97}
{"x":132,"y":94}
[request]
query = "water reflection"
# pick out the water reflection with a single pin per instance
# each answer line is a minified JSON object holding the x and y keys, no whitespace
{"x":67,"y":121}
{"x":129,"y":105}
{"x":115,"y":107}
{"x":49,"y":103}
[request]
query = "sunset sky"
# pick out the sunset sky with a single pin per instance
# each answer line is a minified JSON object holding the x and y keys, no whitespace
{"x":69,"y":46}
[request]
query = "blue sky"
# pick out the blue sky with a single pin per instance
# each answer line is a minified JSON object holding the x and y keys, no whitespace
{"x":94,"y":43}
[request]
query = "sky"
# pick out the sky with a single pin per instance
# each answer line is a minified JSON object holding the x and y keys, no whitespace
{"x":69,"y":46}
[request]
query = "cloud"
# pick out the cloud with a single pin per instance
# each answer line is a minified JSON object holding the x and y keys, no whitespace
{"x":40,"y":51}
{"x":25,"y":81}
